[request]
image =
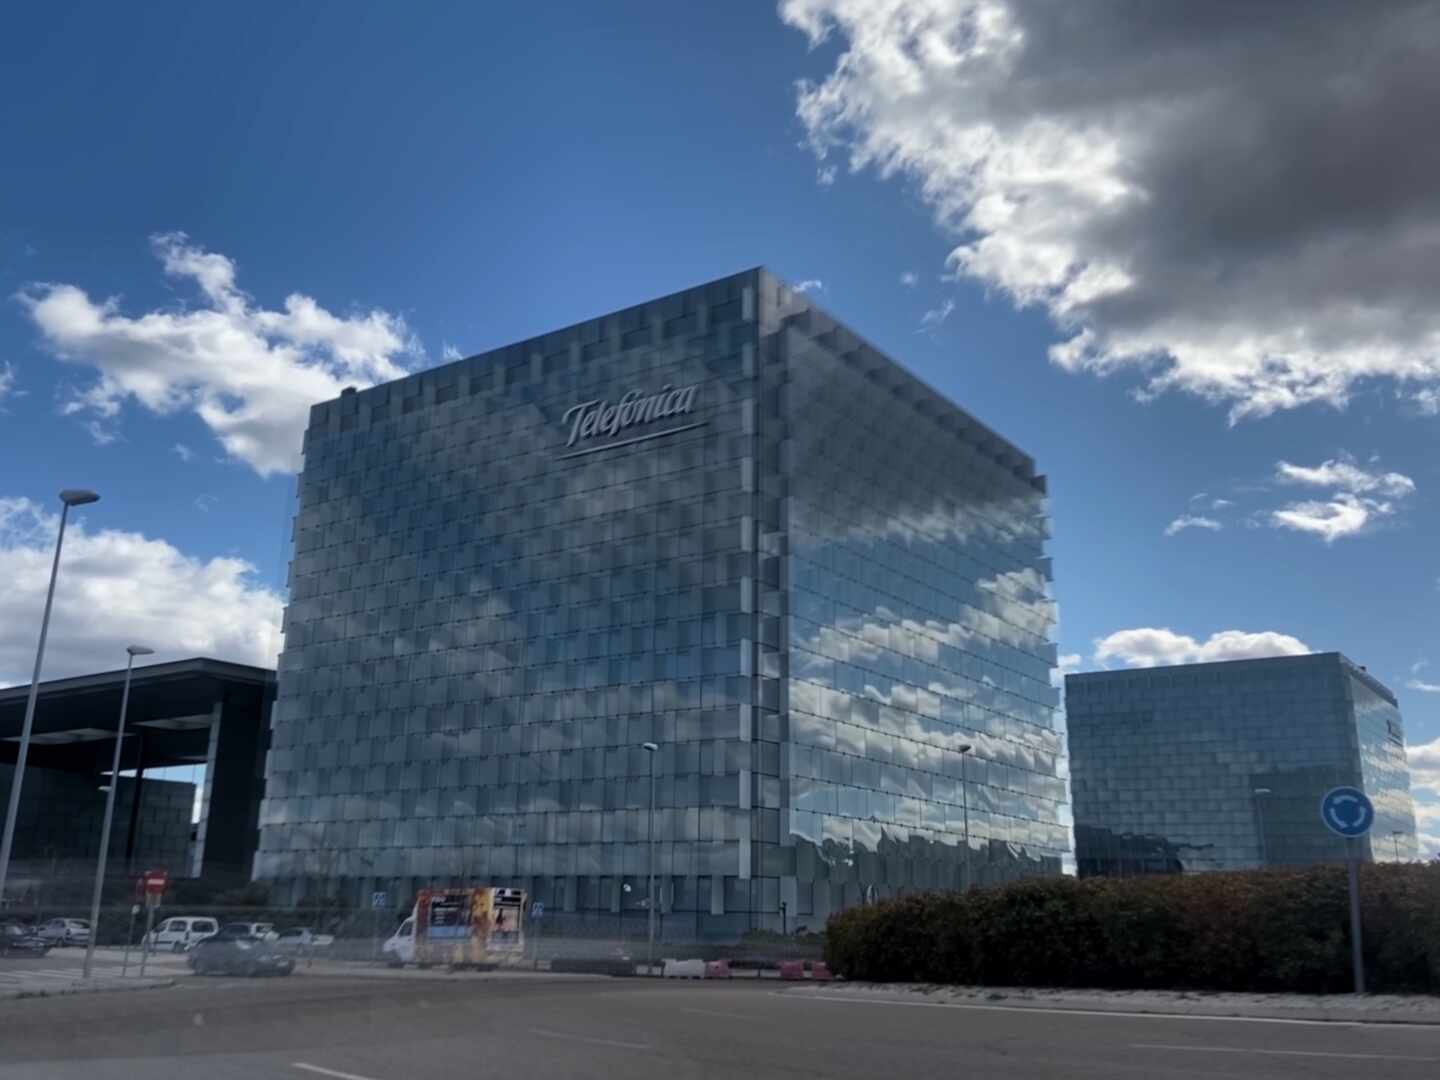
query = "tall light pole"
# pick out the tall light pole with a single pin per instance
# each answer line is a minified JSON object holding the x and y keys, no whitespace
{"x":1260,"y":793}
{"x":965,"y":749}
{"x":70,"y":497}
{"x":1395,"y":836}
{"x":651,"y":749}
{"x":134,"y":651}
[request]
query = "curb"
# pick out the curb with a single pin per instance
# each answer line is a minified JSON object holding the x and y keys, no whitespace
{"x":80,"y":988}
{"x":1183,"y":1009}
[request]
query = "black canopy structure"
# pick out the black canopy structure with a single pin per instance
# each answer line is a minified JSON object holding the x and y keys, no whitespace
{"x":186,"y":712}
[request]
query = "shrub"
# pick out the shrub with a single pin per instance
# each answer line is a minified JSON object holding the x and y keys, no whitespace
{"x":1275,"y":930}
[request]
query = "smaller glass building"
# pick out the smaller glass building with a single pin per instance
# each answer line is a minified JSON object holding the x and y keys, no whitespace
{"x":1222,"y":766}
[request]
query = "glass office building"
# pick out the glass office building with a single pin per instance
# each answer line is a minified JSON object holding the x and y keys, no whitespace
{"x":718,"y":522}
{"x":1222,"y":766}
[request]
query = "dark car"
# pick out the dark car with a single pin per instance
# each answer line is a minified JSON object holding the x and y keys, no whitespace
{"x":238,"y":953}
{"x":18,"y":940}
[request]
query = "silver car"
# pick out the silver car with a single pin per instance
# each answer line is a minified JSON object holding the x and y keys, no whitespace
{"x":66,"y":932}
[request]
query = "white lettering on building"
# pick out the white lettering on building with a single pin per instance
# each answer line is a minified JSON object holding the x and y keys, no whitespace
{"x":592,"y":419}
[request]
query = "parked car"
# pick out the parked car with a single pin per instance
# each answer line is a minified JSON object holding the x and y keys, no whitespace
{"x":19,"y":940}
{"x":263,"y":930}
{"x":236,"y":953}
{"x":399,"y":947}
{"x":181,"y":932}
{"x":306,"y":937}
{"x":60,"y":932}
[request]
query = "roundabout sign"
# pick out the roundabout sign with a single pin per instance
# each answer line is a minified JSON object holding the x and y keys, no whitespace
{"x":1347,"y":811}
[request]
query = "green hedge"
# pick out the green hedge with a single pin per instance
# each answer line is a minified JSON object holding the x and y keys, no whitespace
{"x":1272,"y":930}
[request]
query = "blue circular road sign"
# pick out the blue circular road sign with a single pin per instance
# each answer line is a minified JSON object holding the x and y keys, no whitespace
{"x":1347,"y":811}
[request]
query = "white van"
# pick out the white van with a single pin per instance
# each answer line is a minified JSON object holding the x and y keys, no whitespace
{"x":399,"y":947}
{"x":181,"y":932}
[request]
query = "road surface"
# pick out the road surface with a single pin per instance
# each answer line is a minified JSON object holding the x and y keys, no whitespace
{"x":539,"y":1025}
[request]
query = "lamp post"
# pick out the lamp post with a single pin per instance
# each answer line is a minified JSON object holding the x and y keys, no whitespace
{"x":651,"y":749}
{"x":134,"y":651}
{"x":1260,"y":793}
{"x":1395,"y":836}
{"x":965,"y":749}
{"x":70,"y":497}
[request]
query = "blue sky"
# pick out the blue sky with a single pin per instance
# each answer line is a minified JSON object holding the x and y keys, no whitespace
{"x":460,"y":178}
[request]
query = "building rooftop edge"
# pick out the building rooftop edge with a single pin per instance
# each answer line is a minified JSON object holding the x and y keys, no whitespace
{"x":1357,"y":670}
{"x":191,"y":666}
{"x":760,"y":270}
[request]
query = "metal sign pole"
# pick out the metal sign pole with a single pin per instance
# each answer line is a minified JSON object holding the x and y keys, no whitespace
{"x":1347,"y":811}
{"x":129,"y":937}
{"x":1357,"y":950}
{"x":149,"y":928}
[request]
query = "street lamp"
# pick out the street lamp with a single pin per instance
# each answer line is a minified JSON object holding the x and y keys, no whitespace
{"x":650,"y":748}
{"x":1395,"y":836}
{"x":134,"y":651}
{"x":965,"y":748}
{"x":70,"y":497}
{"x":1260,"y":793}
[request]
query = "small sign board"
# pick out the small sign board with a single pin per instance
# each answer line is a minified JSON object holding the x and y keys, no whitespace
{"x":155,"y":882}
{"x":1347,"y":811}
{"x":379,"y":900}
{"x":537,"y":910}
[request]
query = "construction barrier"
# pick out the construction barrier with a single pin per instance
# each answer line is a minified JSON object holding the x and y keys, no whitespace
{"x":684,"y":969}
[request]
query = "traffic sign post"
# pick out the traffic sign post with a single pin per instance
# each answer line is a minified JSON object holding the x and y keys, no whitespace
{"x":537,"y":914}
{"x":379,"y":901}
{"x":152,"y":885}
{"x":1349,"y":813}
{"x":129,"y":937}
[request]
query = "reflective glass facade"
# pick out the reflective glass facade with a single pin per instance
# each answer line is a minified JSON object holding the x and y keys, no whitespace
{"x":717,"y":522}
{"x":1222,"y":766}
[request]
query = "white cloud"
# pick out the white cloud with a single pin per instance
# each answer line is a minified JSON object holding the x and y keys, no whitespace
{"x":935,"y":318}
{"x":1065,"y":664}
{"x":1425,"y":768}
{"x":100,"y":434}
{"x":1361,"y":497}
{"x":1345,"y":475}
{"x":117,"y":588}
{"x":1423,"y":687}
{"x":206,"y":503}
{"x":1427,"y":828}
{"x":1344,"y":515}
{"x":1419,"y":666}
{"x":909,"y":279}
{"x":809,"y":285}
{"x":449,"y":353}
{"x":1218,"y":235}
{"x":249,"y":372}
{"x":1150,"y":647}
{"x":183,"y":452}
{"x":1220,"y":504}
{"x":7,"y":381}
{"x":1192,"y":521}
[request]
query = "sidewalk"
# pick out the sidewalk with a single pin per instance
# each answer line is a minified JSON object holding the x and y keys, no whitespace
{"x":59,"y":972}
{"x":50,"y":983}
{"x":1340,"y":1008}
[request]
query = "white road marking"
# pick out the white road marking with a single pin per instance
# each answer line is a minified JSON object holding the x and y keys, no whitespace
{"x":1106,"y":1012}
{"x":589,"y":1039}
{"x":336,"y":1073}
{"x":718,"y":1012}
{"x":1279,"y":1053}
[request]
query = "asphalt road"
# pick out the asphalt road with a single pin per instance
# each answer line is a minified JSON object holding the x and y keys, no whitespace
{"x":552,"y":1025}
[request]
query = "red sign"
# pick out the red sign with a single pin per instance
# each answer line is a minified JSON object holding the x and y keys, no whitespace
{"x":154,"y":882}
